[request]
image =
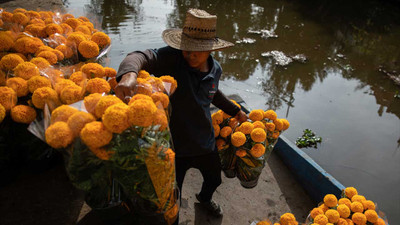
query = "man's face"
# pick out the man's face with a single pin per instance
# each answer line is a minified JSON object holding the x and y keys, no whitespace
{"x":196,"y":59}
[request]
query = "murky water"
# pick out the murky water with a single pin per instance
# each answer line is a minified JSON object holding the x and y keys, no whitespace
{"x":320,"y":64}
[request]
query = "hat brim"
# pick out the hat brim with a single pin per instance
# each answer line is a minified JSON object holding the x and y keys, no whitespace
{"x":176,"y":39}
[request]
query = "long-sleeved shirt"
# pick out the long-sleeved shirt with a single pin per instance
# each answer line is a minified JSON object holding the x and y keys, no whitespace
{"x":190,"y":122}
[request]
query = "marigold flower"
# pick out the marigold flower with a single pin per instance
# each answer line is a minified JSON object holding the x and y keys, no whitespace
{"x":78,"y":120}
{"x":40,"y":62}
{"x":32,"y":14}
{"x":216,"y":118}
{"x":2,"y":113}
{"x":350,"y":192}
{"x":371,"y":215}
{"x":332,"y":215}
{"x":368,"y":204}
{"x":61,"y":84}
{"x":257,"y":150}
{"x":225,"y":131}
{"x":37,"y":21}
{"x":62,"y":113}
{"x":288,"y":219}
{"x":358,"y":198}
{"x":316,"y":211}
{"x":84,"y":29}
{"x":343,"y":210}
{"x":256,"y":115}
{"x":217,"y":129}
{"x":56,"y":39}
{"x":323,"y":207}
{"x":93,"y":70}
{"x":157,"y":83}
{"x":36,"y":82}
{"x":67,"y":29}
{"x":19,"y":85}
{"x":357,"y":207}
{"x":258,"y":135}
{"x":141,"y":112}
{"x":65,"y":50}
{"x":10,"y":61}
{"x":278,"y":124}
{"x":71,"y":94}
{"x":6,"y":16}
{"x":246,"y":127}
{"x":380,"y":222}
{"x":91,"y":101}
{"x":53,"y":29}
{"x":321,"y":220}
{"x":110,"y":72}
{"x":8,"y":97}
{"x":160,"y":119}
{"x":270,"y":115}
{"x":43,"y":48}
{"x":23,"y":114}
{"x":98,"y":85}
{"x":72,"y":22}
{"x":45,"y":95}
{"x":139,"y":96}
{"x":115,"y":118}
{"x":143,"y":74}
{"x":238,"y":139}
{"x":160,"y":97}
{"x":233,"y":122}
{"x":66,"y":16}
{"x":330,"y":200}
{"x":270,"y":126}
{"x":170,"y":84}
{"x":50,"y":56}
{"x":26,"y":45}
{"x":345,"y":201}
{"x":6,"y":42}
{"x":3,"y":78}
{"x":26,"y":70}
{"x":104,"y":103}
{"x":241,"y":153}
{"x":20,"y":18}
{"x":37,"y":29}
{"x":113,"y":83}
{"x":75,"y":38}
{"x":275,"y":135}
{"x":286,"y":124}
{"x":88,"y":49}
{"x":263,"y":223}
{"x":341,"y":221}
{"x":59,"y":135}
{"x":101,"y":39}
{"x":77,"y":78}
{"x":220,"y":143}
{"x":258,"y":124}
{"x":349,"y":222}
{"x":95,"y":135}
{"x":143,"y":87}
{"x":102,"y":153}
{"x":359,"y":218}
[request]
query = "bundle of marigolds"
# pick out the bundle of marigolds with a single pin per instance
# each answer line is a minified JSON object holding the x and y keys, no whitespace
{"x":285,"y":219}
{"x":107,"y":141}
{"x":244,"y":148}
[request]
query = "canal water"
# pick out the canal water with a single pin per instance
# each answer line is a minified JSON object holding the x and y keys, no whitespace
{"x":323,"y":65}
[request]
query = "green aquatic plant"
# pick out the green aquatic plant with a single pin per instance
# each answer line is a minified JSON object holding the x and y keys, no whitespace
{"x":309,"y":139}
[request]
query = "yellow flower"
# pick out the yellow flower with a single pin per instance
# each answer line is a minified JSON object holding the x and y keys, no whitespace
{"x":238,"y":139}
{"x":44,"y":15}
{"x":77,"y":78}
{"x":95,"y":135}
{"x":143,"y":87}
{"x":217,"y":118}
{"x":380,"y":222}
{"x":350,"y":192}
{"x":241,"y":153}
{"x":278,"y":124}
{"x":78,"y":120}
{"x":59,"y":54}
{"x":8,"y":97}
{"x":368,"y":204}
{"x":275,"y":135}
{"x":66,"y":16}
{"x":357,"y":207}
{"x":10,"y":61}
{"x":263,"y":223}
{"x":371,"y":215}
{"x":73,"y":22}
{"x":6,"y":42}
{"x":233,"y":122}
{"x":91,"y":101}
{"x":332,"y":215}
{"x":101,"y":39}
{"x":6,"y":16}
{"x":270,"y":126}
{"x":256,"y":115}
{"x":270,"y":115}
{"x":141,"y":113}
{"x":104,"y":103}
{"x":71,"y":94}
{"x":88,"y":49}
{"x":246,"y":127}
{"x":343,"y":210}
{"x":37,"y":29}
{"x":330,"y":200}
{"x":323,"y":207}
{"x":38,"y":82}
{"x":349,"y":222}
{"x":93,"y":70}
{"x":115,"y":118}
{"x":341,"y":221}
{"x":113,"y":83}
{"x":143,"y":74}
{"x":259,"y":124}
{"x":315,"y":212}
{"x":217,"y":129}
{"x":67,"y":29}
{"x":2,"y":113}
{"x":321,"y":219}
{"x":225,"y":131}
{"x":286,"y":124}
{"x":359,"y":218}
{"x":358,"y":198}
{"x":220,"y":143}
{"x":63,"y":83}
{"x":62,"y":113}
{"x":98,"y":85}
{"x":66,"y":51}
{"x":84,"y":29}
{"x":110,"y":72}
{"x":160,"y":97}
{"x":156,"y":83}
{"x":160,"y":119}
{"x":40,"y":62}
{"x":19,"y":85}
{"x":257,"y":150}
{"x":45,"y":95}
{"x":75,"y":38}
{"x":20,"y":18}
{"x":26,"y":70}
{"x":345,"y":201}
{"x":53,"y":29}
{"x":23,"y":114}
{"x":170,"y":84}
{"x":59,"y":135}
{"x":50,"y":56}
{"x":258,"y":135}
{"x":27,"y":45}
{"x":139,"y":96}
{"x":288,"y":219}
{"x":19,"y":10}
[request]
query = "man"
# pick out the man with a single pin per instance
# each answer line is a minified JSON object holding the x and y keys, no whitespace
{"x":188,"y":60}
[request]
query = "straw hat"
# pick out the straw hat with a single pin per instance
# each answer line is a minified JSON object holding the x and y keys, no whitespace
{"x":198,"y":34}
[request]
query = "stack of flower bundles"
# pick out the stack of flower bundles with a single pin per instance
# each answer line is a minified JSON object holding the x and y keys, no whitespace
{"x":244,"y":148}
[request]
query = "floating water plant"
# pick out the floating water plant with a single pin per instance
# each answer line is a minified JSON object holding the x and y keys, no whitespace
{"x":308,"y":139}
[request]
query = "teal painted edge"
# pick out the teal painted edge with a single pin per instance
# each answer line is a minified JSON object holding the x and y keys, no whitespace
{"x":314,"y":179}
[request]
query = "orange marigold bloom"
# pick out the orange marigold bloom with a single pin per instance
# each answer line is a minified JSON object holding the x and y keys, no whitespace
{"x":3,"y":78}
{"x":78,"y":120}
{"x":104,"y":103}
{"x":233,"y":122}
{"x":341,"y":221}
{"x":8,"y":97}
{"x":246,"y":127}
{"x":44,"y":15}
{"x":217,"y":118}
{"x":93,"y":70}
{"x":55,"y":40}
{"x":270,"y":115}
{"x":275,"y":135}
{"x":10,"y":61}
{"x":143,"y":74}
{"x":359,"y":218}
{"x":63,"y":83}
{"x":6,"y":42}
{"x":59,"y":135}
{"x":84,"y":29}
{"x":19,"y":10}
{"x":101,"y":39}
{"x":143,"y":87}
{"x":65,"y":50}
{"x":40,"y":62}
{"x":139,"y":96}
{"x":67,"y":28}
{"x":38,"y":82}
{"x":157,"y":83}
{"x":258,"y":135}
{"x":220,"y":143}
{"x":2,"y":113}
{"x":75,"y":38}
{"x":288,"y":219}
{"x":45,"y":95}
{"x":91,"y":101}
{"x":350,"y":192}
{"x":330,"y":200}
{"x":72,"y":22}
{"x":37,"y":30}
{"x":19,"y":85}
{"x":257,"y":150}
{"x":321,"y":220}
{"x":368,"y":204}
{"x":62,"y":113}
{"x":357,"y":207}
{"x":371,"y":215}
{"x":6,"y":16}
{"x":43,"y":48}
{"x":217,"y":129}
{"x":225,"y":131}
{"x":263,"y":223}
{"x":71,"y":94}
{"x":160,"y":97}
{"x":66,"y":16}
{"x":53,"y":29}
{"x":379,"y":222}
{"x":141,"y":112}
{"x":349,"y":222}
{"x":358,"y":198}
{"x":88,"y":49}
{"x":323,"y":207}
{"x":32,"y":14}
{"x":170,"y":84}
{"x":238,"y":139}
{"x":160,"y":119}
{"x":50,"y":56}
{"x":37,"y":21}
{"x":26,"y":70}
{"x":102,"y":153}
{"x":77,"y":78}
{"x":59,"y":54}
{"x":110,"y":72}
{"x":315,"y":212}
{"x":259,"y":124}
{"x":27,"y":45}
{"x":332,"y":215}
{"x":115,"y":118}
{"x":20,"y":18}
{"x":241,"y":153}
{"x":95,"y":135}
{"x":256,"y":115}
{"x":23,"y":114}
{"x":113,"y":83}
{"x":286,"y":124}
{"x":278,"y":124}
{"x":98,"y":85}
{"x":343,"y":210}
{"x":345,"y":201}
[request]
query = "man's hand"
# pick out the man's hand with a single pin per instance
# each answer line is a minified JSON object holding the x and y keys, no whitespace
{"x":241,"y":116}
{"x":126,"y":87}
